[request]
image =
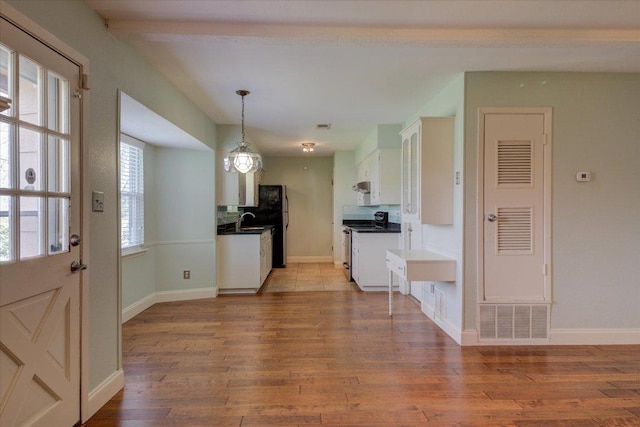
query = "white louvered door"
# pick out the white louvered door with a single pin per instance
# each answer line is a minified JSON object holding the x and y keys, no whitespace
{"x":514,"y":259}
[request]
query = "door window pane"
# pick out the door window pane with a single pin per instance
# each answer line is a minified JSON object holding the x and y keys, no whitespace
{"x":58,"y":164}
{"x":31,"y":226}
{"x":6,"y":229}
{"x":5,"y":76}
{"x":29,"y":89}
{"x":29,"y":85}
{"x":6,"y":166}
{"x":58,"y":223}
{"x":58,"y":103}
{"x":30,"y":171}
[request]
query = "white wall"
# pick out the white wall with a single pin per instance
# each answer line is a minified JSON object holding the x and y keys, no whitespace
{"x":344,"y":176}
{"x":308,"y":181}
{"x":448,"y":239}
{"x":113,"y":65}
{"x":596,"y":225}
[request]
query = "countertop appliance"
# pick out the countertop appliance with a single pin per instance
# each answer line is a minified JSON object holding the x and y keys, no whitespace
{"x":273,"y":209}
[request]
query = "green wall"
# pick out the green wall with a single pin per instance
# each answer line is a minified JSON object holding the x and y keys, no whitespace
{"x":596,"y":225}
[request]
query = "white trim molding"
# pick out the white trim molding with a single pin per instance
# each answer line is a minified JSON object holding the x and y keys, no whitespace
{"x":309,"y":259}
{"x":594,"y":336}
{"x":568,"y":337}
{"x":141,"y":305}
{"x":100,"y":395}
{"x":444,"y":324}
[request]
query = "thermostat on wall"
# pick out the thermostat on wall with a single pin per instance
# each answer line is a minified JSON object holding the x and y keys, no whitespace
{"x":583,"y":176}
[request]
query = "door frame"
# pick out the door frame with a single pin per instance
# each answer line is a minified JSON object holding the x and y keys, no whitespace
{"x":37,"y":32}
{"x":547,"y":176}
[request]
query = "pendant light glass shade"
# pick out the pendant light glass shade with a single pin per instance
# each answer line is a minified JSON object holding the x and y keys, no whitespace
{"x":242,"y":159}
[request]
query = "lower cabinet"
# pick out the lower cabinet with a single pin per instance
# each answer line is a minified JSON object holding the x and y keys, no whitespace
{"x":266,"y":255}
{"x":368,"y":255}
{"x":244,"y":262}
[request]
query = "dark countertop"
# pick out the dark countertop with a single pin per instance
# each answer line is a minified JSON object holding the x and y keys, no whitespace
{"x":362,"y":226}
{"x":228,"y":229}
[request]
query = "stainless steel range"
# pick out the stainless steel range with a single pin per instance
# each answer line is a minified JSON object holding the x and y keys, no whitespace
{"x":380,"y":222}
{"x":346,"y":252}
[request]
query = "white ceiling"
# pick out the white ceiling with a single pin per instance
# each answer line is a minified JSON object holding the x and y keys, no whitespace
{"x":355,"y":64}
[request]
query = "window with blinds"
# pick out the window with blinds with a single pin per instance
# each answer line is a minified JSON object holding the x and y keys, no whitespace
{"x":131,"y":194}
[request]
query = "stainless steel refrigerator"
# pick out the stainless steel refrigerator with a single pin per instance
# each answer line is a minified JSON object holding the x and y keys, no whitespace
{"x":273,"y":209}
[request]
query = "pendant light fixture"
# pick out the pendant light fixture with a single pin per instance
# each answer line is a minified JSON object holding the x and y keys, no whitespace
{"x":242,"y":159}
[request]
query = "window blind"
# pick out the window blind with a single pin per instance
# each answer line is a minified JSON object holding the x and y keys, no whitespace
{"x":131,"y":194}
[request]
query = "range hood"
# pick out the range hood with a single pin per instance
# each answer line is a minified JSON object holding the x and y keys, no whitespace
{"x":362,"y":187}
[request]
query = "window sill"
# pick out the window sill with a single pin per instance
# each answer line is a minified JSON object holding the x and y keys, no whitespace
{"x":133,"y":252}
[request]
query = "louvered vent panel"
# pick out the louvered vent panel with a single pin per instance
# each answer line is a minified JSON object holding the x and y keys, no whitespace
{"x":522,"y":321}
{"x":539,"y":314}
{"x":514,"y":322}
{"x":515,"y":163}
{"x":487,"y":322}
{"x":504,"y":321}
{"x":515,"y":231}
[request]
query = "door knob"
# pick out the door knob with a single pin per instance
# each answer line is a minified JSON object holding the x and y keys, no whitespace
{"x":77,"y":266}
{"x":75,"y":240}
{"x":492,"y":218}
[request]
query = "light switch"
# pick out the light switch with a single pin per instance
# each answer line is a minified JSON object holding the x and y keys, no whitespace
{"x":97,"y":201}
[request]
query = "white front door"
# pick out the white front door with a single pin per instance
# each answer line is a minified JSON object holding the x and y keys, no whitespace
{"x":39,"y":213}
{"x":515,"y":255}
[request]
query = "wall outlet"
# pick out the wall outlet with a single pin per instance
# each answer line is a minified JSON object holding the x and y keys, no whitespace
{"x":186,"y":274}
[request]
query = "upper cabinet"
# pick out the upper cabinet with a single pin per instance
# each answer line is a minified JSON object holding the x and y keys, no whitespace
{"x":384,"y":166}
{"x":427,"y":170}
{"x":233,"y":189}
{"x":381,"y":169}
{"x":237,"y":189}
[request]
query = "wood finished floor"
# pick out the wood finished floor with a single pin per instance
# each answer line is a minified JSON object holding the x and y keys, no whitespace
{"x":337,"y":359}
{"x":310,"y":277}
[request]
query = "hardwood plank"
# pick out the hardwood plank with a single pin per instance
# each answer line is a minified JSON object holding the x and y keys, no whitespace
{"x":337,"y":359}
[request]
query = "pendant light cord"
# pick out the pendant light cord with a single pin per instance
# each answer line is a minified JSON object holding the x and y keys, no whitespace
{"x":243,"y":118}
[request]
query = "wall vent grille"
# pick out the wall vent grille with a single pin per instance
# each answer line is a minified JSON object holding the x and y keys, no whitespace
{"x":515,"y":231}
{"x":514,"y":322}
{"x":515,"y":163}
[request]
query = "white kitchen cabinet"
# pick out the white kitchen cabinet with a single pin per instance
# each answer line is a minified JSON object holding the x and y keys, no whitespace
{"x":385,"y":176}
{"x":243,"y":261}
{"x":237,"y":189}
{"x":427,"y":170}
{"x":382,"y":169}
{"x":266,"y":255}
{"x":368,"y":255}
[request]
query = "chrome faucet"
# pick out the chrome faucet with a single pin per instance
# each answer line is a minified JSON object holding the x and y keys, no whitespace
{"x":239,"y":221}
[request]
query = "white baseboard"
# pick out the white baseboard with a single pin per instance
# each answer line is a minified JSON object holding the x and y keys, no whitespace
{"x":470,"y":337}
{"x":309,"y":259}
{"x":568,"y":337}
{"x":594,"y":336}
{"x":138,"y":307}
{"x":100,"y":395}
{"x":186,"y":294}
{"x":444,"y":324}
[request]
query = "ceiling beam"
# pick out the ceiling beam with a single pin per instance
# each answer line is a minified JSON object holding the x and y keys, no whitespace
{"x":372,"y":36}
